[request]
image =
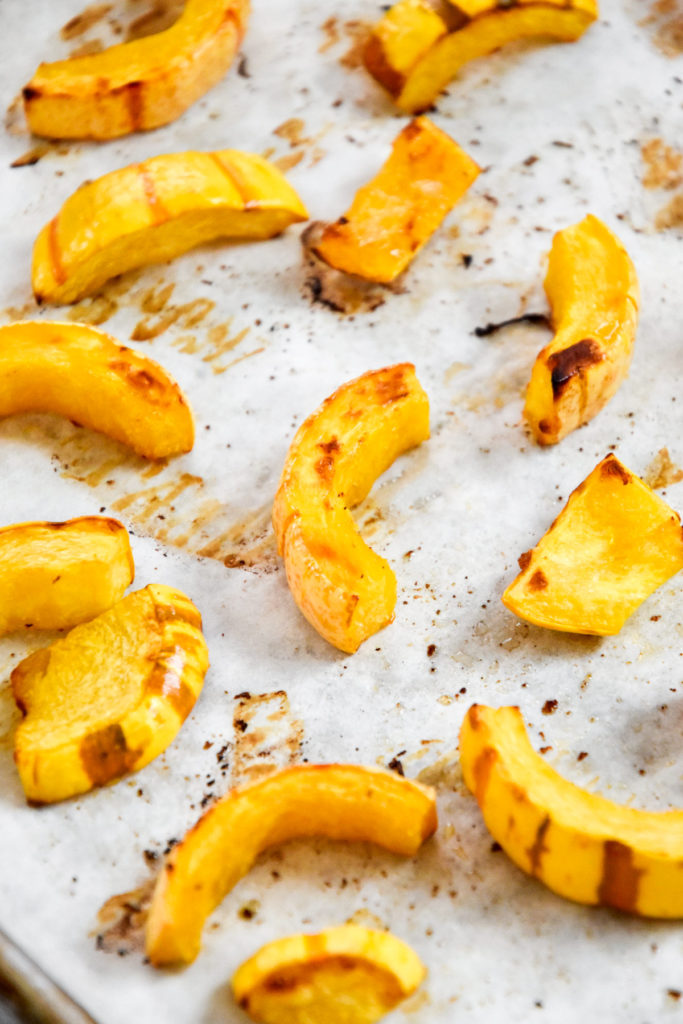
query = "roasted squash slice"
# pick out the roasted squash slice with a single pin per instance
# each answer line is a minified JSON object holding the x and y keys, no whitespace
{"x":85,"y":375}
{"x":414,"y":52}
{"x":157,"y":210}
{"x":393,"y":216}
{"x":580,"y":845}
{"x":612,"y":545}
{"x":141,"y":84}
{"x":593,"y":293}
{"x":55,"y":575}
{"x":344,"y":975}
{"x":334,"y":800}
{"x":110,"y":696}
{"x":345,"y":590}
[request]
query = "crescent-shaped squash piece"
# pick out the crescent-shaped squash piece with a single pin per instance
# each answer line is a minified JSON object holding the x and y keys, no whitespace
{"x":342,"y":975}
{"x":110,"y":696}
{"x":345,"y":590}
{"x":580,"y":845}
{"x":138,"y":85}
{"x":85,"y":375}
{"x":612,"y":545}
{"x":55,"y":575}
{"x":397,"y":212}
{"x":334,"y":800}
{"x":414,"y":52}
{"x":152,"y":212}
{"x":593,"y":293}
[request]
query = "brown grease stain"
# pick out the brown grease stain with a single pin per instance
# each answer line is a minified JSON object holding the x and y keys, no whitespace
{"x":620,"y":879}
{"x":662,"y":471}
{"x":289,"y":160}
{"x":667,"y":18}
{"x":358,"y":33}
{"x":671,"y":215}
{"x":187,"y":315}
{"x":538,"y":847}
{"x":266,"y":735}
{"x":331,"y":30}
{"x":539,"y":581}
{"x":122,"y":920}
{"x":292,"y":130}
{"x":88,"y":17}
{"x":105,"y":755}
{"x":571,"y":361}
{"x":92,"y":311}
{"x":663,"y":165}
{"x":160,"y":17}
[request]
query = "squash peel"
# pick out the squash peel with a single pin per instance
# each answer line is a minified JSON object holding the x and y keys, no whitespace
{"x":612,"y":545}
{"x":152,"y":212}
{"x":110,"y":696}
{"x":344,"y":589}
{"x":139,"y":85}
{"x":55,"y":575}
{"x":581,"y":845}
{"x":85,"y":375}
{"x":337,"y":801}
{"x":343,"y":975}
{"x":593,"y":293}
{"x":395,"y":214}
{"x":414,"y":52}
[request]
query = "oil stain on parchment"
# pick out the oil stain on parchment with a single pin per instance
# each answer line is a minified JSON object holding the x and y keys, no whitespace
{"x":267,"y":736}
{"x":662,"y":471}
{"x":122,"y":919}
{"x":665,"y":19}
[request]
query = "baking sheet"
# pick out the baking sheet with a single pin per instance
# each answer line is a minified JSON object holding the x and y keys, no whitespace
{"x":255,"y":357}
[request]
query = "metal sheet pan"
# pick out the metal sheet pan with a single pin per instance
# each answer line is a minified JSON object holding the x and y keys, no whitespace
{"x":558,"y":131}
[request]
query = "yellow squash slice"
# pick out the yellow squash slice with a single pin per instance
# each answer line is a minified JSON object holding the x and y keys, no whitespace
{"x":344,"y":975}
{"x":393,"y":216}
{"x":85,"y":375}
{"x":141,"y":84}
{"x":334,"y":800}
{"x":593,"y":293}
{"x":154,"y":211}
{"x":345,"y":590}
{"x":414,"y":52}
{"x":580,"y":845}
{"x":612,"y":545}
{"x":110,"y":696}
{"x":55,"y":575}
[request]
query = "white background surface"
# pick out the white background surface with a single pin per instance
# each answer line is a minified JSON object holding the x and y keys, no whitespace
{"x":499,"y":947}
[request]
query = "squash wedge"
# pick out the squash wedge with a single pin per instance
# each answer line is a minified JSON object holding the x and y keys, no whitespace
{"x":138,"y":85}
{"x":55,"y":575}
{"x":85,"y":375}
{"x":612,"y":545}
{"x":345,"y":590}
{"x":414,"y":52}
{"x":338,"y":801}
{"x":342,"y":975}
{"x":593,"y":293}
{"x":154,"y":211}
{"x":110,"y":696}
{"x":397,"y":212}
{"x":582,"y":846}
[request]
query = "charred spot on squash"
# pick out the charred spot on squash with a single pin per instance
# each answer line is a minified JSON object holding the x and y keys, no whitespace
{"x":30,"y":93}
{"x":524,"y":559}
{"x":545,"y":426}
{"x":538,"y":847}
{"x":181,"y":613}
{"x":482,"y":772}
{"x":166,"y":683}
{"x":324,"y":467}
{"x":379,"y":67}
{"x":330,"y":446}
{"x":612,"y":467}
{"x":539,"y":581}
{"x":620,"y":879}
{"x":105,"y":755}
{"x":571,"y":361}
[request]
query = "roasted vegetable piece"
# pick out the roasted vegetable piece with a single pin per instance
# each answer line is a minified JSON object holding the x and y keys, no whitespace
{"x":580,"y":845}
{"x":157,"y":210}
{"x":393,"y":216}
{"x":593,"y":293}
{"x":612,"y":545}
{"x":345,"y":590}
{"x":414,"y":52}
{"x":85,"y":375}
{"x":334,"y":800}
{"x":344,"y":975}
{"x":55,"y":575}
{"x":141,"y":84}
{"x":110,"y":696}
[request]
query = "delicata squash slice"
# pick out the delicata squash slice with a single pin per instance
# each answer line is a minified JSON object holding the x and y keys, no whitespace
{"x":580,"y":845}
{"x":415,"y":51}
{"x":393,"y":216}
{"x":333,"y":800}
{"x":141,"y":84}
{"x":154,"y":211}
{"x":612,"y":545}
{"x":55,"y":575}
{"x":593,"y":293}
{"x":110,"y":696}
{"x":344,"y":975}
{"x":85,"y":375}
{"x":345,"y":590}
